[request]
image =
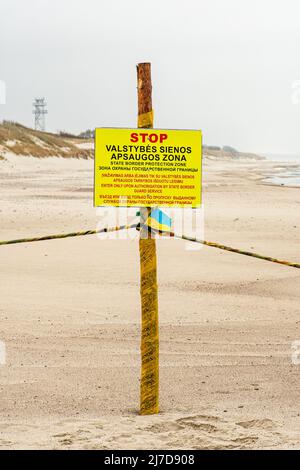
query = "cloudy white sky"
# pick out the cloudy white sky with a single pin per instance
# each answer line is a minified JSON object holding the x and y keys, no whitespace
{"x":225,"y":66}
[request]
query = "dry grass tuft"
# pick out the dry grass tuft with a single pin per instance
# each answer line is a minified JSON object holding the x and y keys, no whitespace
{"x":21,"y":140}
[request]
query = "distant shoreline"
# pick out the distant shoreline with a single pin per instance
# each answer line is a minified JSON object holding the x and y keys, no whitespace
{"x":288,"y":174}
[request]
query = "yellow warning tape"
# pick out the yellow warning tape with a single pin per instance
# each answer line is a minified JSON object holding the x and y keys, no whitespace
{"x":150,"y":337}
{"x":125,"y":227}
{"x":226,"y":248}
{"x":146,"y":120}
{"x":67,"y":235}
{"x":241,"y":252}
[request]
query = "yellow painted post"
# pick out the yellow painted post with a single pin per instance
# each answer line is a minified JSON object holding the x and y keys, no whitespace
{"x":149,"y":401}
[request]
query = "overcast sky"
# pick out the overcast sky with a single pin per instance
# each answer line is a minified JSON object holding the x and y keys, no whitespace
{"x":225,"y":66}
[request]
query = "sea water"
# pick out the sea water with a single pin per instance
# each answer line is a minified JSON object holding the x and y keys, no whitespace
{"x":288,"y":176}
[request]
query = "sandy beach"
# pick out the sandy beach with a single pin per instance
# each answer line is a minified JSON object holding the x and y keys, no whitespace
{"x":70,"y":317}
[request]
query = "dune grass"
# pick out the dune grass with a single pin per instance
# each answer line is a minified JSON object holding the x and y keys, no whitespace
{"x":21,"y":140}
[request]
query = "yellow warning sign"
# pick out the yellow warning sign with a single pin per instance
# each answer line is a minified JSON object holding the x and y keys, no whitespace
{"x":147,"y":167}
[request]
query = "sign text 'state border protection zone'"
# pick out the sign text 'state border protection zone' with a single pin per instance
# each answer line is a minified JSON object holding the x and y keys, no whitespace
{"x":148,"y":167}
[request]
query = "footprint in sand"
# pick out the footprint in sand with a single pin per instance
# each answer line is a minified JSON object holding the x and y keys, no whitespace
{"x":246,"y":440}
{"x":64,"y":439}
{"x":71,"y":438}
{"x":4,"y":443}
{"x":209,"y":418}
{"x":257,"y":423}
{"x":201,"y":426}
{"x":164,"y":427}
{"x":200,"y":422}
{"x":66,"y":442}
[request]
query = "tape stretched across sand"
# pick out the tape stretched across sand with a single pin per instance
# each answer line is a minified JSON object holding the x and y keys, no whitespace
{"x":127,"y":227}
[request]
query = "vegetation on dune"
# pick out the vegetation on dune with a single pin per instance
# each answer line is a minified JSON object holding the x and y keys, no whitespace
{"x":21,"y":140}
{"x":213,"y":151}
{"x":88,"y":134}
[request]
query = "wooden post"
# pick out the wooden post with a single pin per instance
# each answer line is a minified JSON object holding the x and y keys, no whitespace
{"x":149,"y":336}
